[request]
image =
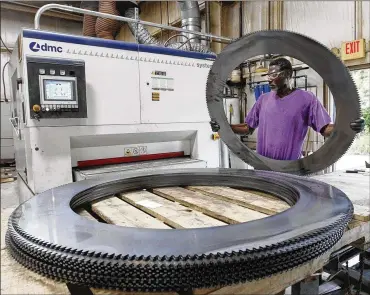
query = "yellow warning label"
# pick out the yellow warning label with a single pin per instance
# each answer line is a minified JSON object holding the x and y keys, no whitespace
{"x":155,"y":96}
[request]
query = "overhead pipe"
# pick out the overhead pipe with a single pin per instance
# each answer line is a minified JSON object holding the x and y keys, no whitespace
{"x":190,"y":22}
{"x":142,"y":34}
{"x":119,"y":18}
{"x":136,"y":27}
{"x":190,"y":18}
{"x":89,"y":21}
{"x":107,"y":28}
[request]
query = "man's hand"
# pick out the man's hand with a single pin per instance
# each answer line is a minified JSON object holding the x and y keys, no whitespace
{"x":214,"y":126}
{"x":358,"y":125}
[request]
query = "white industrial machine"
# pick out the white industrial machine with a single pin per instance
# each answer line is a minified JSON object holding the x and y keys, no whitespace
{"x":80,"y":103}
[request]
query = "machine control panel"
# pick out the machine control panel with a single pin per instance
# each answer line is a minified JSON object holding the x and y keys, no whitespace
{"x":57,"y":88}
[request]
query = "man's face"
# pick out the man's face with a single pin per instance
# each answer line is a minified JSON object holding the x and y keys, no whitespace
{"x":277,"y":78}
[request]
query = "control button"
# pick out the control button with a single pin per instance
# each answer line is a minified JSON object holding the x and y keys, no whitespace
{"x":47,"y":109}
{"x":58,"y":107}
{"x":36,"y":108}
{"x":43,"y":108}
{"x":42,"y":71}
{"x":62,"y":72}
{"x":52,"y":72}
{"x":54,"y":107}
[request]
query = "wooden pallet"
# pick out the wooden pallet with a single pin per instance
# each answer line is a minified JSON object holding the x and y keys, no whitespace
{"x":183,"y":207}
{"x":8,"y":174}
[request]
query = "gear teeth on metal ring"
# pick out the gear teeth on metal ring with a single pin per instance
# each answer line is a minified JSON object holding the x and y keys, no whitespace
{"x":215,"y":85}
{"x":155,"y":273}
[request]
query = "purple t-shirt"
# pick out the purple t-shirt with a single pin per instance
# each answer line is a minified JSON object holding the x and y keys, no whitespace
{"x":283,"y":122}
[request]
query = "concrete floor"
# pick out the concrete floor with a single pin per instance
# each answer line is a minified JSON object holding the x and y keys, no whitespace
{"x":352,"y":161}
{"x":14,"y":193}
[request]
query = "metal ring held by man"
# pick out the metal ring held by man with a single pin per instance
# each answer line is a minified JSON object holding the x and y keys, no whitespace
{"x":47,"y":236}
{"x":318,"y":57}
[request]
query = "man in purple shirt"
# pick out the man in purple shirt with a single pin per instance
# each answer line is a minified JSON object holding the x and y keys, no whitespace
{"x":284,"y":115}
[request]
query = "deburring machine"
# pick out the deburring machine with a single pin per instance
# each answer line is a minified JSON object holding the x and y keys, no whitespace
{"x":80,"y":103}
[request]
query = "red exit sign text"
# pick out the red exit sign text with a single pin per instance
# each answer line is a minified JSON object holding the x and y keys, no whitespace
{"x":353,"y":49}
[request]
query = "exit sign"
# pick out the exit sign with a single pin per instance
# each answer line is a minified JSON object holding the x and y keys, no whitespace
{"x":353,"y":49}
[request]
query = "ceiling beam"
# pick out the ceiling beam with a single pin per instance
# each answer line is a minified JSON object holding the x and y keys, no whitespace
{"x":16,"y":6}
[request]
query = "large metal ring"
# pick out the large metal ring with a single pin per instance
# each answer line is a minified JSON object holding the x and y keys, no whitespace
{"x":47,"y":236}
{"x":315,"y":55}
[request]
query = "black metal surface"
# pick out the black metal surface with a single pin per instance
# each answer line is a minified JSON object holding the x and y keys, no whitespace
{"x":45,"y":235}
{"x":316,"y":56}
{"x":357,"y":275}
{"x":306,"y":287}
{"x":353,"y":277}
{"x":78,"y":289}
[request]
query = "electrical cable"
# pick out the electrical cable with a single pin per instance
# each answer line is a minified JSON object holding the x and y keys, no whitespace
{"x":177,"y":35}
{"x":5,"y":45}
{"x":189,"y":39}
{"x":3,"y":70}
{"x":3,"y":78}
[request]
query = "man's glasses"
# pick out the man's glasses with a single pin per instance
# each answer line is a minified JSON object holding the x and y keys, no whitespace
{"x":272,"y":76}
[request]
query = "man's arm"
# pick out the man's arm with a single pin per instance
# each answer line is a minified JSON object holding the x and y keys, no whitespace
{"x":318,"y":117}
{"x":357,"y":126}
{"x":327,"y":130}
{"x":242,"y":129}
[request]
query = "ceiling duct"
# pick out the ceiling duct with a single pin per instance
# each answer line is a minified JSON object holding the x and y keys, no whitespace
{"x":190,"y":20}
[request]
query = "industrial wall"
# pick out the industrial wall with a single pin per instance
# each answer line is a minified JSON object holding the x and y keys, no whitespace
{"x":11,"y":23}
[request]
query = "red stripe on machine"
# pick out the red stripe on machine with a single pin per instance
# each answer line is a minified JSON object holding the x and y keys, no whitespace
{"x":119,"y":160}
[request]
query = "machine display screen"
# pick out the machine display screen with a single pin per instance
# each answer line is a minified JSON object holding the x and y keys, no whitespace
{"x":58,"y":90}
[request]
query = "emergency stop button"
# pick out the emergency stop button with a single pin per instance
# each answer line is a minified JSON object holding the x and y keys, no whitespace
{"x":36,"y":108}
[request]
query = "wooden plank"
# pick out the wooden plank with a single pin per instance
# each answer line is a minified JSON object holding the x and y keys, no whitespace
{"x":230,"y":16}
{"x":118,"y":212}
{"x":263,"y":194}
{"x":9,"y":179}
{"x":225,"y":211}
{"x":243,"y":198}
{"x":361,"y":213}
{"x":354,"y":223}
{"x":215,"y":9}
{"x":86,"y":214}
{"x":170,"y":212}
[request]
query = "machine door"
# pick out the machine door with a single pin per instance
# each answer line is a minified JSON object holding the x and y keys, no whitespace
{"x":18,"y":121}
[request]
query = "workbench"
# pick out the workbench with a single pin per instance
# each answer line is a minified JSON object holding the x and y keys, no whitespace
{"x":192,"y":207}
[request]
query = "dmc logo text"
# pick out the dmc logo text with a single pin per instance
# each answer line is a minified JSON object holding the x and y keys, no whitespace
{"x":35,"y":47}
